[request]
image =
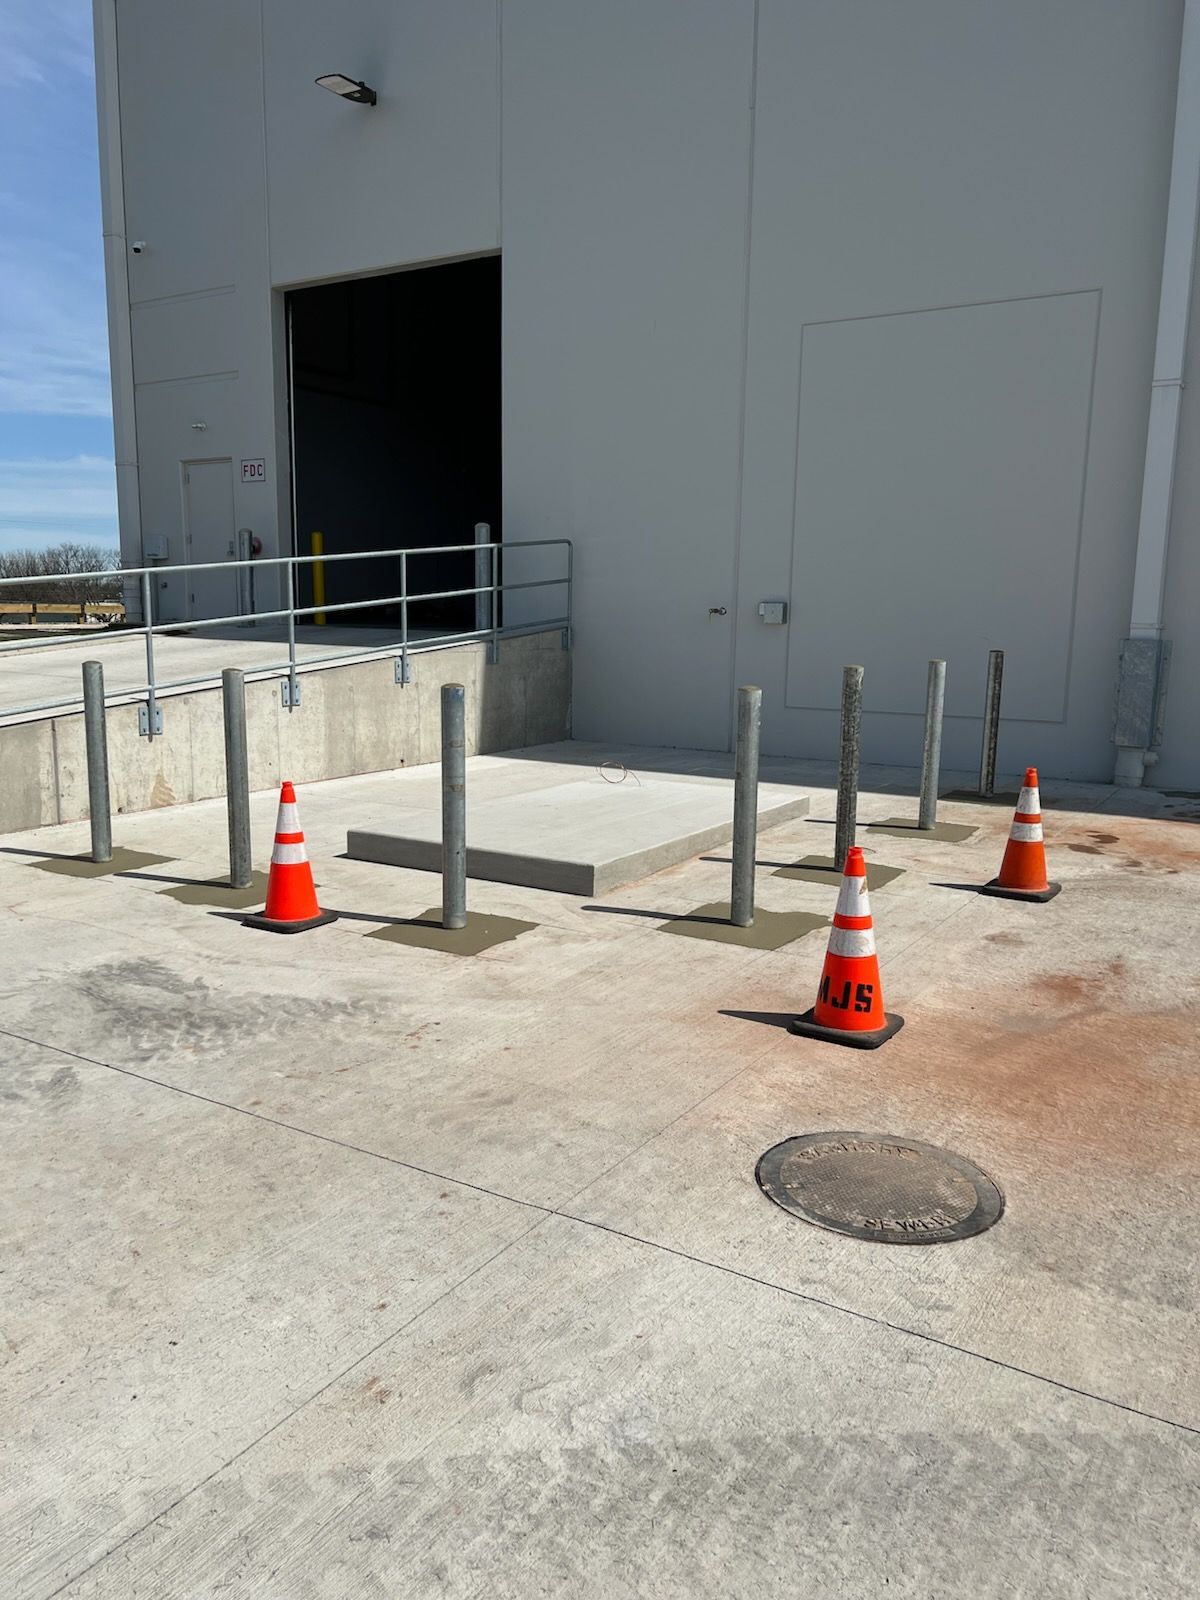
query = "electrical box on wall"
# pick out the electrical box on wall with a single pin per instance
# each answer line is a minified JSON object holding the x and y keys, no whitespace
{"x":773,"y":612}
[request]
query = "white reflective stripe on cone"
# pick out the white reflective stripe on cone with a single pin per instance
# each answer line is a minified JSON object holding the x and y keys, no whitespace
{"x":1030,"y":803}
{"x":288,"y":855}
{"x":289,"y":818}
{"x":853,"y":900}
{"x":852,"y":942}
{"x":1026,"y":832}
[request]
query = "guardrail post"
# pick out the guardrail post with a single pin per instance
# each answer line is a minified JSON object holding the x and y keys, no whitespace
{"x":237,"y":776}
{"x":991,"y":723}
{"x":931,"y":753}
{"x":745,"y":806}
{"x":245,"y":575}
{"x":403,"y":670}
{"x":847,"y":795}
{"x":291,"y":688}
{"x":95,"y":736}
{"x":497,"y":559}
{"x":454,"y":807}
{"x":149,"y":716}
{"x":567,"y":635}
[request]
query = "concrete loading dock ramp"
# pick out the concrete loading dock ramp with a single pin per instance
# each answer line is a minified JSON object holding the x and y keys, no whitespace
{"x":574,"y":818}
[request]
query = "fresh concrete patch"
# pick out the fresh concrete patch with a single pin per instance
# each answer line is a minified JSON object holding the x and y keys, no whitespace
{"x":85,"y":867}
{"x":771,"y":929}
{"x":577,"y":837}
{"x":216,"y":892}
{"x":906,"y":828}
{"x":426,"y":932}
{"x":820,"y":869}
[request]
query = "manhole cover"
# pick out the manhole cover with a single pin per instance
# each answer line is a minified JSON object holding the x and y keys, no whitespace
{"x":873,"y":1186}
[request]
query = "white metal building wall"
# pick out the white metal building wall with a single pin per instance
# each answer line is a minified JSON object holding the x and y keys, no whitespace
{"x":834,"y":301}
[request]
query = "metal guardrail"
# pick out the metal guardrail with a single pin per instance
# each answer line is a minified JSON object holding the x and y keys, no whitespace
{"x":490,"y":585}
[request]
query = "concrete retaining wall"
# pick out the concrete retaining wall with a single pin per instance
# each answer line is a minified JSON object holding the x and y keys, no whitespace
{"x":351,"y":719}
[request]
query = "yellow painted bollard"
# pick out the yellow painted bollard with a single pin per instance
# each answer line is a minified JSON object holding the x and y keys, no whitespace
{"x":318,"y":576}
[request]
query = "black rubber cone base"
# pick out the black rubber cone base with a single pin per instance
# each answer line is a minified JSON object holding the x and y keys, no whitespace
{"x":1040,"y":895}
{"x":272,"y":926}
{"x":870,"y":1039}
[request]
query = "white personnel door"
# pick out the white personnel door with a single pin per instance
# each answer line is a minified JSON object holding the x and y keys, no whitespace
{"x":209,"y":535}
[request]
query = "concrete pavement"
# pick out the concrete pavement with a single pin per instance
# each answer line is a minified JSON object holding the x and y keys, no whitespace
{"x":340,"y":1268}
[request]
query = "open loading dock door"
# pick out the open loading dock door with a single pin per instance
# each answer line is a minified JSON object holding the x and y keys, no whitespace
{"x":395,"y":394}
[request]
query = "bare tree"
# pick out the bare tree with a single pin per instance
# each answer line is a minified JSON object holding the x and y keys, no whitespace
{"x":91,"y":566}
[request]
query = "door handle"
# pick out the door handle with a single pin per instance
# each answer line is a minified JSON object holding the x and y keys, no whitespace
{"x":716,"y":611}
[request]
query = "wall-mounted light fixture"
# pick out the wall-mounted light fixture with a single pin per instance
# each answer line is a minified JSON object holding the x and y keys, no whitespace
{"x":348,"y":88}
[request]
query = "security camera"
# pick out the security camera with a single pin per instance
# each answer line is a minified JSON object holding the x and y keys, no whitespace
{"x":138,"y":246}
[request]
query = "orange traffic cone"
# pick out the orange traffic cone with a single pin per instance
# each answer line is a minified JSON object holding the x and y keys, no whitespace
{"x":1023,"y":870}
{"x":849,"y":1008}
{"x":291,"y":895}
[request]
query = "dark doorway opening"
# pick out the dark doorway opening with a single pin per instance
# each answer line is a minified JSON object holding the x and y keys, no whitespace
{"x":395,"y":392}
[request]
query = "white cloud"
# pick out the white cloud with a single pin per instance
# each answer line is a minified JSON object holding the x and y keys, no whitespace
{"x":53,"y":333}
{"x":41,"y":37}
{"x":53,"y":348}
{"x":42,"y":501}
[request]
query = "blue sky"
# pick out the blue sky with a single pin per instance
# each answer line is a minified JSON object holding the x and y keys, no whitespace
{"x":56,"y":447}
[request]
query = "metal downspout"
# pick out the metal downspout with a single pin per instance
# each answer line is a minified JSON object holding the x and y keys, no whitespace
{"x":116,"y":279}
{"x":1162,"y":434}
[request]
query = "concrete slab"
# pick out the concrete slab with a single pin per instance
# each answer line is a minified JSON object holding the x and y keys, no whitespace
{"x":577,"y":837}
{"x":587,"y":1416}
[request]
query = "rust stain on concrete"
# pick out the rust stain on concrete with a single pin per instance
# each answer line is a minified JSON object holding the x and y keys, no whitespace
{"x":1077,"y":1068}
{"x":1144,"y":843}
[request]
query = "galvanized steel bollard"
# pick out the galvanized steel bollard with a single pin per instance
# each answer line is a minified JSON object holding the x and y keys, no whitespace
{"x":237,"y":776}
{"x":96,"y":741}
{"x":454,"y":807}
{"x":847,"y":796}
{"x":991,"y":723}
{"x":745,"y":807}
{"x":931,"y":753}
